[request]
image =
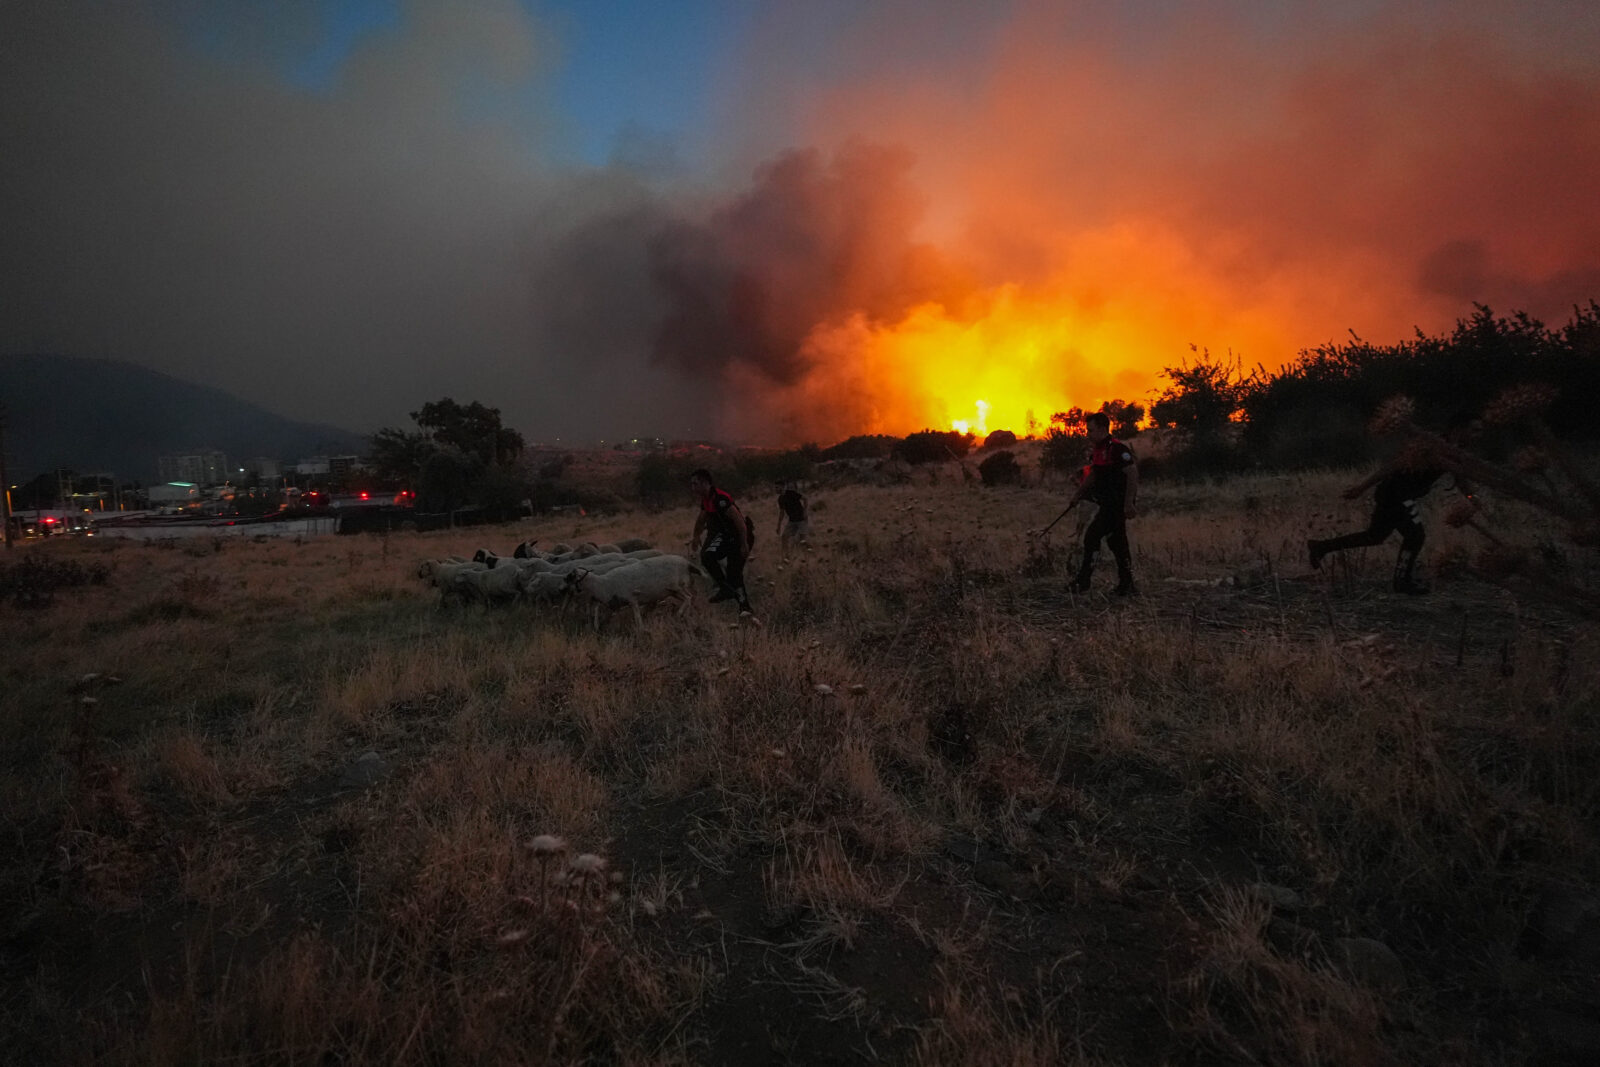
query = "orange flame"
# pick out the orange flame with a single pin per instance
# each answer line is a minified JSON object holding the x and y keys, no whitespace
{"x":1013,"y":356}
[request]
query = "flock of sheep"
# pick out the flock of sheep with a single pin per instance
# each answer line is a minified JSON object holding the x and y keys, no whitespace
{"x":629,"y":573}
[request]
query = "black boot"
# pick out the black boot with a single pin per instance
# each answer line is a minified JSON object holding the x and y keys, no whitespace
{"x":1315,"y":552}
{"x":1125,"y":586}
{"x":1405,"y":574}
{"x":1080,"y":584}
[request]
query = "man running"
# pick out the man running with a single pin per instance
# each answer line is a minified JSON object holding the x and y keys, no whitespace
{"x":727,"y":538}
{"x":793,"y":525}
{"x":1397,"y":505}
{"x":1113,"y":484}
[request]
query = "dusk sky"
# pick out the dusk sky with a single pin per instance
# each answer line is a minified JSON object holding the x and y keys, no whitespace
{"x":770,"y":221}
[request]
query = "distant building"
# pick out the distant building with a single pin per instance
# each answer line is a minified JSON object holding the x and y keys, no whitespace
{"x":206,"y":467}
{"x":344,"y":466}
{"x":173,"y":493}
{"x":264,"y":468}
{"x":312,"y":465}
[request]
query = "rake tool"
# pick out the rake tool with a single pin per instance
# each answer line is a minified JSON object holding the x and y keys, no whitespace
{"x":1058,"y":518}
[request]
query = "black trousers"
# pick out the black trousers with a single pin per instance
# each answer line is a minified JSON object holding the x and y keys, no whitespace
{"x":1110,"y":524}
{"x":720,"y":549}
{"x":1387,"y":517}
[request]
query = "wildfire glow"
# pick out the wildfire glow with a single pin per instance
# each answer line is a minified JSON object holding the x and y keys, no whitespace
{"x":1013,"y":360}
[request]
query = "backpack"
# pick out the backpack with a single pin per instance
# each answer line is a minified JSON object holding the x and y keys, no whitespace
{"x":749,"y":523}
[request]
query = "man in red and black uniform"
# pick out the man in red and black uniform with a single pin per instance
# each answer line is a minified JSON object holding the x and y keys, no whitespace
{"x":727,"y":540}
{"x":1113,"y":484}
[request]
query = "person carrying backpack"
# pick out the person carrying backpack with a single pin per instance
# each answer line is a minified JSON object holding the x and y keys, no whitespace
{"x":728,"y":537}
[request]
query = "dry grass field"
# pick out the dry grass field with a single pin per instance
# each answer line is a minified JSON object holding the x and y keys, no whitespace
{"x":934,"y":810}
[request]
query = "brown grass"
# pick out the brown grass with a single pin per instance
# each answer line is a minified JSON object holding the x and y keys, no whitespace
{"x":1024,"y":827}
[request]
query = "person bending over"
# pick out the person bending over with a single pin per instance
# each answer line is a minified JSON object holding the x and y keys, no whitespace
{"x":726,"y":540}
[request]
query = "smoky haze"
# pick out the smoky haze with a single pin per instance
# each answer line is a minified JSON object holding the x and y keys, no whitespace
{"x":339,"y":255}
{"x":1251,"y":177}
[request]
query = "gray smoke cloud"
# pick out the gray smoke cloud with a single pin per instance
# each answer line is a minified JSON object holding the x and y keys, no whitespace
{"x":813,"y":238}
{"x":341,"y":256}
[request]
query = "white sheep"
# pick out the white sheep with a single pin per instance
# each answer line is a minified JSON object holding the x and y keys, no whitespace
{"x":639,"y":584}
{"x":544,"y":586}
{"x":564,"y":566}
{"x":441,"y":572}
{"x":632,"y":544}
{"x":542,"y":581}
{"x":490,"y":585}
{"x":511,"y":562}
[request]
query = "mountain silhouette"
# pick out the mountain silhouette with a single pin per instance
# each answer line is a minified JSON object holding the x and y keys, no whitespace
{"x":93,"y":415}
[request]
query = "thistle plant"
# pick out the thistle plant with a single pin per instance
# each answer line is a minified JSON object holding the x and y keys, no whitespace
{"x":545,"y":850}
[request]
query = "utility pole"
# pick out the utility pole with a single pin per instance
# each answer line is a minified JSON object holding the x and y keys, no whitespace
{"x":5,"y":480}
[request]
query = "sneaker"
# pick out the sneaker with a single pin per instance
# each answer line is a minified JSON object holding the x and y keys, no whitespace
{"x":1079,"y":585}
{"x":1126,"y":588}
{"x":1315,"y":554}
{"x":1410,"y":587}
{"x":720,"y":595}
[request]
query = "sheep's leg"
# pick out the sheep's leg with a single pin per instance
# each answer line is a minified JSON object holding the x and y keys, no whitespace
{"x":638,"y":616}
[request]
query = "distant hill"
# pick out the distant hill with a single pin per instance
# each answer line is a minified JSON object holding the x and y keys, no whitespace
{"x":102,"y":415}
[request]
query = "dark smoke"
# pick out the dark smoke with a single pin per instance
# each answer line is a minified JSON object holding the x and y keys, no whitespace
{"x":814,"y":240}
{"x":1466,"y":272}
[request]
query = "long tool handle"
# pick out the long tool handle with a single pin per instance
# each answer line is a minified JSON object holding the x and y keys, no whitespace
{"x":1057,"y":519}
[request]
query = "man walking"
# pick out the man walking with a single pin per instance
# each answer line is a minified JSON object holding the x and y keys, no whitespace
{"x":1112,"y":483}
{"x":727,"y":540}
{"x":793,"y":525}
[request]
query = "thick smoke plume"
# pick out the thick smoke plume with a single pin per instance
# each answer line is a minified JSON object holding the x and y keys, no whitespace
{"x":1002,"y":209}
{"x":814,"y":240}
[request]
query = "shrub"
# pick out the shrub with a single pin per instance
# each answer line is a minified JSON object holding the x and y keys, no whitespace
{"x":32,"y":581}
{"x":934,"y":446}
{"x":1063,"y":450}
{"x":662,"y":479}
{"x":1000,"y":439}
{"x":600,"y":500}
{"x":764,"y":468}
{"x":1203,"y":397}
{"x":861,"y":446}
{"x":1000,"y":469}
